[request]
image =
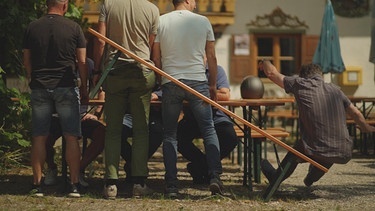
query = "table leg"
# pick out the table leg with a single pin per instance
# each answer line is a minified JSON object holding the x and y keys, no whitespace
{"x":257,"y":157}
{"x":249,"y":151}
{"x":257,"y":151}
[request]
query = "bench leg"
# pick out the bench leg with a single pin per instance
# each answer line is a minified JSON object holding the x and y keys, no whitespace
{"x":257,"y":157}
{"x":239,"y":153}
{"x":272,"y":187}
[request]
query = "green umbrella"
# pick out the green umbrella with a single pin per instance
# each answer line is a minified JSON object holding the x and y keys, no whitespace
{"x":328,"y":53}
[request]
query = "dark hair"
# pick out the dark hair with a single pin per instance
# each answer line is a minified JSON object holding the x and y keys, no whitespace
{"x":309,"y":70}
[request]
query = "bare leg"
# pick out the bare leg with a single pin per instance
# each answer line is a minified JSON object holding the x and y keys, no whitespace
{"x":95,"y":148}
{"x":73,"y":156}
{"x":38,"y":157}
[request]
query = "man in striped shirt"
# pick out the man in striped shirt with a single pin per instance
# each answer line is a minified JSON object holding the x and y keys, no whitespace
{"x":323,"y":108}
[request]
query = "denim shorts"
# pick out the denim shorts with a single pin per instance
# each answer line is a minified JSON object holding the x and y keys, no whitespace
{"x":64,"y":101}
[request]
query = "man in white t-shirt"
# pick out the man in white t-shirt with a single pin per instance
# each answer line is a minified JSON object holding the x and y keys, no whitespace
{"x":182,"y":40}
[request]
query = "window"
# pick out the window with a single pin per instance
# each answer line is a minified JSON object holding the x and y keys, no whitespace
{"x":283,"y":50}
{"x":286,"y":51}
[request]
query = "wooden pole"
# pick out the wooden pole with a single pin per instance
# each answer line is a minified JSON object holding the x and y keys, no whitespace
{"x":206,"y":99}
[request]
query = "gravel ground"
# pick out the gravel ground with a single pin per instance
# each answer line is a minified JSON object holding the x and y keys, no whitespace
{"x":344,"y":187}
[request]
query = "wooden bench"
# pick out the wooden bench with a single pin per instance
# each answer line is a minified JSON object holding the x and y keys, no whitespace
{"x":256,"y":139}
{"x":277,"y":132}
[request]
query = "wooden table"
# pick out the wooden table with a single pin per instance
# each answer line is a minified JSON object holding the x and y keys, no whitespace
{"x":366,"y":108}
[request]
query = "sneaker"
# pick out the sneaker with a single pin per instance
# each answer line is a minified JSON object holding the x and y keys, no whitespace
{"x":171,"y":191}
{"x":82,"y":181}
{"x":307,"y":182}
{"x":139,"y":190}
{"x":268,"y":170}
{"x":50,"y":177}
{"x":110,"y":191}
{"x":216,"y":186}
{"x":36,"y":190}
{"x":74,"y":192}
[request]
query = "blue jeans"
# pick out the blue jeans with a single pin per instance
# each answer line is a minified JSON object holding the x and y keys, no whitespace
{"x":172,"y":103}
{"x":62,"y":100}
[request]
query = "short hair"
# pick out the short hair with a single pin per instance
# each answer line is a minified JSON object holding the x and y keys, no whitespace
{"x":55,"y":2}
{"x":309,"y":70}
{"x":177,"y":2}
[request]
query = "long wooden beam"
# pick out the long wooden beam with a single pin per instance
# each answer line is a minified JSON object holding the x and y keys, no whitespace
{"x":206,"y":99}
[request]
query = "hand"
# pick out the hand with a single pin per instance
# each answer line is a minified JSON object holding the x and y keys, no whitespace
{"x":89,"y":116}
{"x":367,"y":128}
{"x":154,"y":97}
{"x":261,"y":64}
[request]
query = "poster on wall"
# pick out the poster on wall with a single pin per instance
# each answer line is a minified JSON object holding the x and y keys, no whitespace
{"x":241,"y":45}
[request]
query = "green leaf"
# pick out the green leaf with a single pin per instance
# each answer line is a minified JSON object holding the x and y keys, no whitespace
{"x":24,"y":143}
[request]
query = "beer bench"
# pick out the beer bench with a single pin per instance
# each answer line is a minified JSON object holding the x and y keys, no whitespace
{"x":277,"y":132}
{"x":257,"y":138}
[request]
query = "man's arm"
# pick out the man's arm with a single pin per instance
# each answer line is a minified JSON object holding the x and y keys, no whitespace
{"x":359,"y":119}
{"x":151,"y":40}
{"x":99,"y":108}
{"x":83,"y":72}
{"x":156,"y":58}
{"x":98,"y":51}
{"x":27,"y":62}
{"x":212,"y":68}
{"x":222,"y":83}
{"x":272,"y":73}
{"x":223,"y":94}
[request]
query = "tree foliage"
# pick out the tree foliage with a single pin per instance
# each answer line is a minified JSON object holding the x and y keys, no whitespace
{"x":15,"y":15}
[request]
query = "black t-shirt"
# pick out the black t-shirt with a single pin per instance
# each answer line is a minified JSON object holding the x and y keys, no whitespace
{"x":53,"y":41}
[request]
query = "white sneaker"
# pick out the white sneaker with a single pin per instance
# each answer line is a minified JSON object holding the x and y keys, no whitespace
{"x":110,"y":192}
{"x":82,"y":181}
{"x":50,"y":177}
{"x":139,"y":191}
{"x":74,"y":191}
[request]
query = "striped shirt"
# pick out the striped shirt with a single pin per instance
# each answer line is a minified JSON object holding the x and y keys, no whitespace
{"x":322,"y":117}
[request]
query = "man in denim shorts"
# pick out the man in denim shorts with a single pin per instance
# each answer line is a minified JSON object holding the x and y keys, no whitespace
{"x":52,"y":44}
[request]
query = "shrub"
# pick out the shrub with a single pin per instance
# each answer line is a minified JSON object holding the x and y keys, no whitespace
{"x":15,"y":125}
